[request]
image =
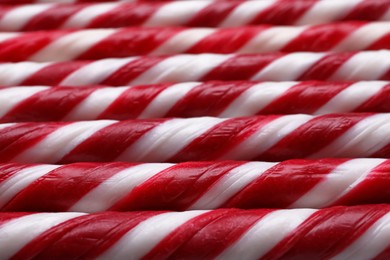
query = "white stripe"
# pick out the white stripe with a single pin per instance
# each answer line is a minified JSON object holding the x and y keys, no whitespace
{"x":11,"y":97}
{"x":95,"y":72}
{"x":364,"y":36}
{"x":97,"y":102}
{"x":361,"y":140}
{"x":352,"y":97}
{"x":18,"y":17}
{"x":56,"y":1}
{"x":386,"y":16}
{"x":337,"y":183}
{"x":288,"y":67}
{"x":17,"y":233}
{"x":176,"y":13}
{"x":266,"y":234}
{"x":72,"y":45}
{"x":60,"y":142}
{"x":2,"y":126}
{"x":245,"y":13}
{"x":371,"y":243}
{"x":167,"y":139}
{"x":253,"y":100}
{"x":7,"y":36}
{"x":13,"y":185}
{"x":183,"y":41}
{"x":164,"y":101}
{"x":116,"y":187}
{"x":231,"y":183}
{"x":16,"y":73}
{"x":272,"y":39}
{"x":327,"y":11}
{"x":82,"y":18}
{"x":266,"y":137}
{"x":145,"y":236}
{"x":369,"y":65}
{"x":181,"y":68}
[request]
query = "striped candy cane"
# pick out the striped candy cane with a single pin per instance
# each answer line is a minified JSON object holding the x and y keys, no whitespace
{"x":369,"y":65}
{"x":360,"y":232}
{"x":192,"y":99}
{"x":187,"y":13}
{"x":193,"y":185}
{"x":107,"y":43}
{"x":267,"y":138}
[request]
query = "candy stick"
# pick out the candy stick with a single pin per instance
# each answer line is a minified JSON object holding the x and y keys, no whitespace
{"x":192,"y":99}
{"x":360,"y":232}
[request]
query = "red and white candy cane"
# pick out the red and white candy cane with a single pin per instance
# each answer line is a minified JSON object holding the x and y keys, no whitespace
{"x":116,"y":43}
{"x":191,"y":99}
{"x":359,"y":232}
{"x":368,"y":65}
{"x":189,"y":13}
{"x":193,"y":185}
{"x":269,"y":138}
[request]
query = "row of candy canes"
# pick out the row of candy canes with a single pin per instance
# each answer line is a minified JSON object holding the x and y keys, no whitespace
{"x":201,"y":140}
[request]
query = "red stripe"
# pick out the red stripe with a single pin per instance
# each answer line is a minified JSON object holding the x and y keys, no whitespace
{"x":374,"y":189}
{"x":132,"y":102}
{"x":226,"y":40}
{"x":218,"y":235}
{"x":284,"y":12}
{"x":126,"y":14}
{"x":48,"y":105}
{"x":8,"y":170}
{"x":185,"y":232}
{"x":311,"y":137}
{"x":82,"y":237}
{"x":326,"y":67}
{"x":386,"y":75}
{"x":322,"y":37}
{"x":129,"y":42}
{"x":382,"y":43}
{"x":18,"y":138}
{"x":368,"y":10}
{"x":61,"y":188}
{"x":3,"y":11}
{"x":287,"y":182}
{"x":9,"y":216}
{"x":327,"y":232}
{"x":378,"y":103}
{"x":220,"y":139}
{"x":175,"y":188}
{"x":305,"y":97}
{"x":213,"y":14}
{"x":108,"y":143}
{"x":53,"y":74}
{"x":208,"y":99}
{"x":240,"y":67}
{"x":132,"y":70}
{"x":53,"y":18}
{"x":23,"y":46}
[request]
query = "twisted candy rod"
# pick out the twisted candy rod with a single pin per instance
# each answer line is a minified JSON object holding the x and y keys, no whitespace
{"x":107,"y":43}
{"x":272,"y":138}
{"x":369,"y":65}
{"x":193,"y":185}
{"x":360,"y":232}
{"x":222,"y":99}
{"x":189,"y":13}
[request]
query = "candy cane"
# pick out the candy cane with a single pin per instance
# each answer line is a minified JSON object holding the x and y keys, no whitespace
{"x":107,"y":43}
{"x":369,"y":65}
{"x":192,"y":99}
{"x":360,"y":232}
{"x":193,"y":185}
{"x":272,"y":138}
{"x":187,"y":13}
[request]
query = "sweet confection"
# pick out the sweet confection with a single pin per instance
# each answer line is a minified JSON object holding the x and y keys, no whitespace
{"x":270,"y":138}
{"x":198,"y":13}
{"x":365,"y":65}
{"x":360,"y":232}
{"x":191,"y":99}
{"x":193,"y":185}
{"x":107,"y":43}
